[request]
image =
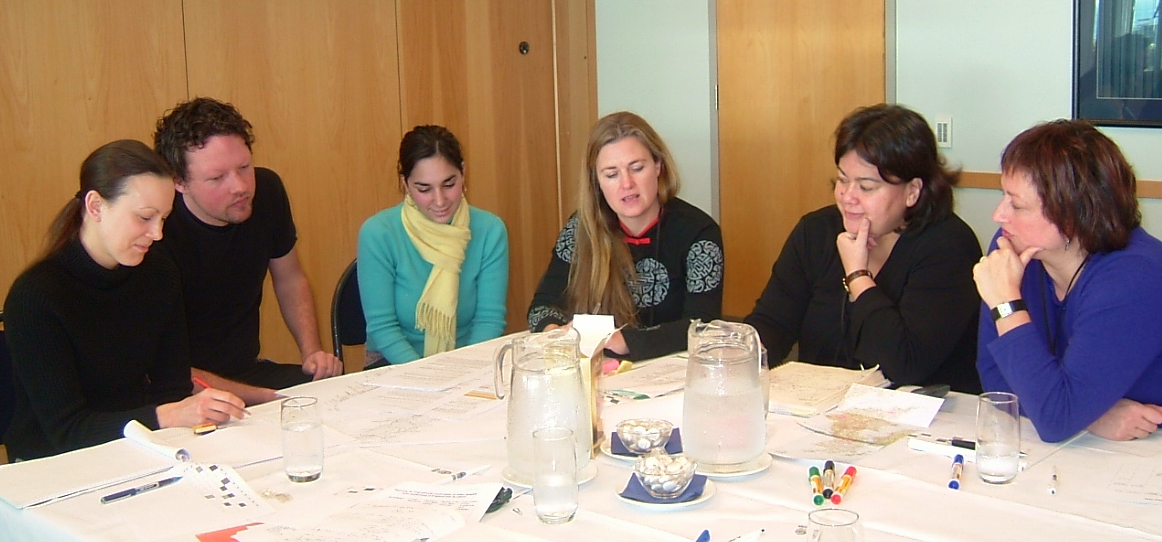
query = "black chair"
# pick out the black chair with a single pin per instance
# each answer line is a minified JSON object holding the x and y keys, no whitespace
{"x":348,"y":327}
{"x":7,"y":386}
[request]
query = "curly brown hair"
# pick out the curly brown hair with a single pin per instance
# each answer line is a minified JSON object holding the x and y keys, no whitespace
{"x":190,"y":124}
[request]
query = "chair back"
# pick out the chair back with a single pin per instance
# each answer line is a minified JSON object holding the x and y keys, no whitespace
{"x":7,"y":385}
{"x":348,"y":327}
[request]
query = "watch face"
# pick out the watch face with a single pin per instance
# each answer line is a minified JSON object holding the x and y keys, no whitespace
{"x":1004,"y":309}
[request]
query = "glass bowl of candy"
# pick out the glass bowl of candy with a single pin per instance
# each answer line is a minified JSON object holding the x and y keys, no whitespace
{"x":641,"y":435}
{"x":664,"y":476}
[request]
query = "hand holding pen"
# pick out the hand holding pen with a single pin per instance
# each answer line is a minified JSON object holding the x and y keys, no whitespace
{"x":207,"y":406}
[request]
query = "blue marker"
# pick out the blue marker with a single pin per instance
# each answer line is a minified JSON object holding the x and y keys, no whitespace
{"x":957,"y":471}
{"x":704,"y":537}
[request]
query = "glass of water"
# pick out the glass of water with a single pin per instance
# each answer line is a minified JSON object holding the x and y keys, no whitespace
{"x":998,"y":437}
{"x":834,"y":525}
{"x":555,"y":474}
{"x":302,"y":439}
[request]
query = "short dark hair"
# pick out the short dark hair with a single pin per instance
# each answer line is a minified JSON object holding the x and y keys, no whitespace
{"x":899,"y":142}
{"x":1087,"y":188}
{"x":105,"y":171}
{"x":425,"y":142}
{"x":190,"y":124}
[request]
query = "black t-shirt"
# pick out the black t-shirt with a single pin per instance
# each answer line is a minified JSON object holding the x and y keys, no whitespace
{"x":223,"y":269}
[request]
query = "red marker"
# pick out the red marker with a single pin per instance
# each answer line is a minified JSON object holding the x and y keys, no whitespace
{"x":844,"y":484}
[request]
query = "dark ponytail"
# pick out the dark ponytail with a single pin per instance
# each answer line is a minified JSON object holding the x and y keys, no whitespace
{"x":106,"y":171}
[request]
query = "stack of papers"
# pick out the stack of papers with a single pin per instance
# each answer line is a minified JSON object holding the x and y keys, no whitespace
{"x":805,"y":389}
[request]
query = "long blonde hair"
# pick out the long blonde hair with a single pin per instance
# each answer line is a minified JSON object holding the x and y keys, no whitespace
{"x":602,"y":264}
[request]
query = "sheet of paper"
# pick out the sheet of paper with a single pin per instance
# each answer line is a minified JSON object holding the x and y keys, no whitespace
{"x":207,"y":497}
{"x":349,"y":477}
{"x":651,"y":379}
{"x":805,"y":389}
{"x":593,"y":328}
{"x":143,"y":436}
{"x":438,"y":373}
{"x":876,"y":416}
{"x":30,"y":483}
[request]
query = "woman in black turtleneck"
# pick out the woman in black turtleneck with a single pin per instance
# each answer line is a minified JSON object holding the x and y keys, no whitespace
{"x":96,"y":326}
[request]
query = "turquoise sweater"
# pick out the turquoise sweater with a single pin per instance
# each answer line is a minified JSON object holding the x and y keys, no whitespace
{"x":392,"y":275}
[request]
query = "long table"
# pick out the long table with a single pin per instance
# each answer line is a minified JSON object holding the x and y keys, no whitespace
{"x":1105,"y":491}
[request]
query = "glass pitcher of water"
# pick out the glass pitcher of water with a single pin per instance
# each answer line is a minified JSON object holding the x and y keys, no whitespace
{"x":722,"y":415}
{"x":544,"y":389}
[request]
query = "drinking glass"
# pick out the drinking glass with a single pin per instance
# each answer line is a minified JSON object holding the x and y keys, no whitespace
{"x":302,"y":439}
{"x":834,"y":525}
{"x":998,"y":437}
{"x":765,"y":380}
{"x":555,"y":474}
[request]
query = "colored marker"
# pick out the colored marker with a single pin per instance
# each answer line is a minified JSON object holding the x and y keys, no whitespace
{"x":704,"y":537}
{"x":957,"y":471}
{"x":816,"y":485}
{"x":844,"y":484}
{"x":828,"y":478}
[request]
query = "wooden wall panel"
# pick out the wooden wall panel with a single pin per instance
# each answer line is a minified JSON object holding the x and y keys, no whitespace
{"x":789,"y":71}
{"x":318,"y":79}
{"x":576,"y":93}
{"x":460,"y":67}
{"x":74,"y":75}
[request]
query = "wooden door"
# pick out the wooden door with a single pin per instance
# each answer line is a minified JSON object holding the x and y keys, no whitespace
{"x":318,"y":79}
{"x":74,"y":75}
{"x":462,"y":66}
{"x":788,"y":72}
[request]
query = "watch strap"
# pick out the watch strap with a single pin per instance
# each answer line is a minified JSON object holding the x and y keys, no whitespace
{"x":852,"y":276}
{"x":1008,"y":308}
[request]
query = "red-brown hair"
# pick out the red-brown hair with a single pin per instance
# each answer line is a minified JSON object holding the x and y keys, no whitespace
{"x":1087,"y":188}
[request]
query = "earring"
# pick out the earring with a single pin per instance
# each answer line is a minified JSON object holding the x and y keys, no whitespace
{"x":1067,"y":244}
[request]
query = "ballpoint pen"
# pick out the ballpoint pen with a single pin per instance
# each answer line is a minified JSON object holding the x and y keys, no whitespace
{"x":125,"y":494}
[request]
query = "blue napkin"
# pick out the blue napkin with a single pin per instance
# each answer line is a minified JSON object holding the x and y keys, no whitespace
{"x":673,"y":446}
{"x":636,"y":492}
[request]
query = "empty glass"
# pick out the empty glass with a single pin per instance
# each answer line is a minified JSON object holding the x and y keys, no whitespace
{"x":834,"y":525}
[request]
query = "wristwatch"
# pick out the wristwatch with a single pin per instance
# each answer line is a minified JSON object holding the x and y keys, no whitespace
{"x":854,"y":275}
{"x":1008,"y":308}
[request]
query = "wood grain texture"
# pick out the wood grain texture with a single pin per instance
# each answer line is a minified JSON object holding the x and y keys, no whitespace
{"x":576,"y":93}
{"x":788,"y":72}
{"x":985,"y":179}
{"x":74,"y":75}
{"x":460,"y":67}
{"x":318,"y":79}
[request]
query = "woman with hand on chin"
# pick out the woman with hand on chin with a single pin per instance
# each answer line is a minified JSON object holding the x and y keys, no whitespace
{"x":1070,"y":288}
{"x":96,"y":326}
{"x":633,"y":249}
{"x":884,"y":276}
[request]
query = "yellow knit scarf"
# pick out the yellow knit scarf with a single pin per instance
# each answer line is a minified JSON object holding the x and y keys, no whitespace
{"x":443,"y":246}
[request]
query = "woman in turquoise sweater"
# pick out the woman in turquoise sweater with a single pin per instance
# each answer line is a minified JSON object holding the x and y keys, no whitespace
{"x":433,"y":270}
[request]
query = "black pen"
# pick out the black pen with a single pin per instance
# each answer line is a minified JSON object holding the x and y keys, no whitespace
{"x":125,"y":494}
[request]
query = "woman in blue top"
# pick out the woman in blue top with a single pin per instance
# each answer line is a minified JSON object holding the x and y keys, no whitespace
{"x":433,"y":271}
{"x":1071,"y":290}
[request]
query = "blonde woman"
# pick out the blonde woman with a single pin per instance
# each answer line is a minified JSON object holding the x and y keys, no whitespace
{"x":633,"y":249}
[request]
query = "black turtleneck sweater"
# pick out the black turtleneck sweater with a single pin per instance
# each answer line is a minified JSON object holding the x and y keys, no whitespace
{"x":92,"y":349}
